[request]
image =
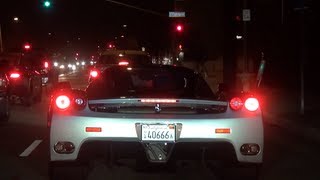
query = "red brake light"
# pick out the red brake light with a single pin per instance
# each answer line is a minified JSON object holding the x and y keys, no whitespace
{"x":63,"y":102}
{"x":14,"y":75}
{"x":94,"y":73}
{"x":123,"y":63}
{"x":251,"y":104}
{"x":158,"y":100}
{"x":46,"y":64}
{"x":236,"y":104}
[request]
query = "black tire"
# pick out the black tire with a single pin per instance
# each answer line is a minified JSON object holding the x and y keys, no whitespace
{"x":67,"y":171}
{"x":4,"y":116}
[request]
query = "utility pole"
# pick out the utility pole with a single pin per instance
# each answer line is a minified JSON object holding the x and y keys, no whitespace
{"x":246,"y":18}
{"x":301,"y":10}
{"x":302,"y":60}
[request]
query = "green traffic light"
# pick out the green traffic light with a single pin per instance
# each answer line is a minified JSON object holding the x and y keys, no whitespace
{"x":47,"y":3}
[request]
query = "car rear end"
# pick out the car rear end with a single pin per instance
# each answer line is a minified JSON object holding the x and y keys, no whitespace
{"x":19,"y":81}
{"x":100,"y":115}
{"x":118,"y":57}
{"x":161,"y":113}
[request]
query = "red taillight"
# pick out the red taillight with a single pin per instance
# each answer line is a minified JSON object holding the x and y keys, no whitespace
{"x":14,"y":75}
{"x":94,"y":73}
{"x":46,"y":64}
{"x":236,"y":104}
{"x":123,"y":63}
{"x":63,"y":102}
{"x":158,"y":100}
{"x":251,"y":104}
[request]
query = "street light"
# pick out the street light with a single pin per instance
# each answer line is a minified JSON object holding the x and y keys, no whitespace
{"x":179,"y":28}
{"x":15,"y":19}
{"x":47,"y":3}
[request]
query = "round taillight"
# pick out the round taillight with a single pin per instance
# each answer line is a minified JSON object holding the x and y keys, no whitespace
{"x":94,"y":74}
{"x":236,"y":103}
{"x":251,"y":104}
{"x":63,"y":102}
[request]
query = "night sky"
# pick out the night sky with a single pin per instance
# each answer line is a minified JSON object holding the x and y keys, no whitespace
{"x":210,"y":30}
{"x":95,"y":22}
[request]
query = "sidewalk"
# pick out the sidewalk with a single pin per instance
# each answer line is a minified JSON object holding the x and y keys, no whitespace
{"x":282,"y":110}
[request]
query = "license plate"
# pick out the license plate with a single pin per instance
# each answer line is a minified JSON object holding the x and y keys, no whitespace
{"x":156,"y":132}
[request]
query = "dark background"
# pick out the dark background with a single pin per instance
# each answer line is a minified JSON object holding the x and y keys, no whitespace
{"x":210,"y":29}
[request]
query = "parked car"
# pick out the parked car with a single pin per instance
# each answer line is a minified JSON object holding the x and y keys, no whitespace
{"x":25,"y":79}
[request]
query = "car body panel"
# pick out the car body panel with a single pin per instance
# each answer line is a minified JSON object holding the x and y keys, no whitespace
{"x":118,"y":105}
{"x":123,"y":127}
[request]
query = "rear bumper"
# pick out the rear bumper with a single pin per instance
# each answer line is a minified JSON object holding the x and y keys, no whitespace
{"x":180,"y":151}
{"x":196,"y":136}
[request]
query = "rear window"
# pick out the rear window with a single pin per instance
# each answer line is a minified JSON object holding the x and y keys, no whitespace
{"x":149,"y":82}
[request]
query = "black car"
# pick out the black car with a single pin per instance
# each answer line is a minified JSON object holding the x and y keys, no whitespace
{"x":4,"y":95}
{"x":25,"y":78}
{"x":119,"y":57}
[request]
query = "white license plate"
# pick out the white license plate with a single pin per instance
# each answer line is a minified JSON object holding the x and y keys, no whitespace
{"x":156,"y":132}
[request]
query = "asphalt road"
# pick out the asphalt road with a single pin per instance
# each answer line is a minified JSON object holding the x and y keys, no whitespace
{"x":287,"y":156}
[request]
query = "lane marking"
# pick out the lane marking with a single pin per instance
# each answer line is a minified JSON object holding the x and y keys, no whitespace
{"x":29,"y":150}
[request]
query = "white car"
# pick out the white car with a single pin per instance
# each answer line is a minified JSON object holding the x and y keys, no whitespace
{"x":161,"y":112}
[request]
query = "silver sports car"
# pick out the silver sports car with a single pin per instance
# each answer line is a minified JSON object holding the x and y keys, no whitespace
{"x":161,"y":113}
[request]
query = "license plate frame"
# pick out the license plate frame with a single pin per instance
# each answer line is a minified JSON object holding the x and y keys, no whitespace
{"x":158,"y":133}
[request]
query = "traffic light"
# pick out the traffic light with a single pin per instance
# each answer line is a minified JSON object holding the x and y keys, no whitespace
{"x":27,"y":46}
{"x":47,"y":3}
{"x":179,"y":28}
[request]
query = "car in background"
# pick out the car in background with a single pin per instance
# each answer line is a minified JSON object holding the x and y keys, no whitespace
{"x":154,"y":114}
{"x":4,"y":94}
{"x":119,"y":57}
{"x":25,"y":78}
